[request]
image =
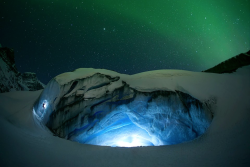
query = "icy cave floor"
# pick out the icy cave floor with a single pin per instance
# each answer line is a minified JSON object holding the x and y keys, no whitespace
{"x":24,"y":142}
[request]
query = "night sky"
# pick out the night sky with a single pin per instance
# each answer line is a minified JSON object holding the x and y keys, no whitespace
{"x":51,"y":37}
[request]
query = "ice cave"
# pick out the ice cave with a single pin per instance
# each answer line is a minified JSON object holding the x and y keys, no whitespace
{"x":97,"y":117}
{"x":101,"y":109}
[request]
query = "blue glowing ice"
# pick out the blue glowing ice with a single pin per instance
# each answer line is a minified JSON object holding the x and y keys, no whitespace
{"x":84,"y":111}
{"x":143,"y":123}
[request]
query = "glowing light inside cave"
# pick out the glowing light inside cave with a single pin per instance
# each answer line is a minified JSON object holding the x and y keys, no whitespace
{"x":42,"y":110}
{"x":45,"y":104}
{"x":148,"y":120}
{"x":130,"y":141}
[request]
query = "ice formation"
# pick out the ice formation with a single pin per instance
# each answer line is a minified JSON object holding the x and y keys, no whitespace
{"x":110,"y":109}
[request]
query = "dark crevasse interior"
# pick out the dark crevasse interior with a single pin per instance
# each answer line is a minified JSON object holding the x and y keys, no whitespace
{"x":127,"y":117}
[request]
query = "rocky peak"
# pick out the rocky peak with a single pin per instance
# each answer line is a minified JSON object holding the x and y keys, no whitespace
{"x":11,"y":79}
{"x":232,"y":64}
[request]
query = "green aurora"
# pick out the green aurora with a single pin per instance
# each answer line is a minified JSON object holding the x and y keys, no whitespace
{"x":220,"y":28}
{"x":176,"y":33}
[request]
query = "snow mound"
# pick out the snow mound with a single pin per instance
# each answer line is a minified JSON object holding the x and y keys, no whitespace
{"x":101,"y":107}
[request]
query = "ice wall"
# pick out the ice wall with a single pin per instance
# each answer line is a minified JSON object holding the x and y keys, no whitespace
{"x":104,"y":110}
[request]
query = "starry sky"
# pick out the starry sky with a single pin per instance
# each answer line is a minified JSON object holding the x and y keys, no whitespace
{"x":51,"y":37}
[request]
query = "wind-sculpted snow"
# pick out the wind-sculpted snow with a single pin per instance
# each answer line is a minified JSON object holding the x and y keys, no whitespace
{"x":103,"y":109}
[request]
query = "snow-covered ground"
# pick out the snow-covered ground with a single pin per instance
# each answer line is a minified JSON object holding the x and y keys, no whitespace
{"x":24,"y":142}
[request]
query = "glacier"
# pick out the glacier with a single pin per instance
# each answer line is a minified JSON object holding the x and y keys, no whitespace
{"x":101,"y":107}
{"x":26,"y":139}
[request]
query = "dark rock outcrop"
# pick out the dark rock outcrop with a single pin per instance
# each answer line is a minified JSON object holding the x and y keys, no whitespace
{"x":11,"y":79}
{"x":232,"y":64}
{"x":31,"y":81}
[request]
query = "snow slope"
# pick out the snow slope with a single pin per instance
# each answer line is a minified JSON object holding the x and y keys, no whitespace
{"x":24,"y":142}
